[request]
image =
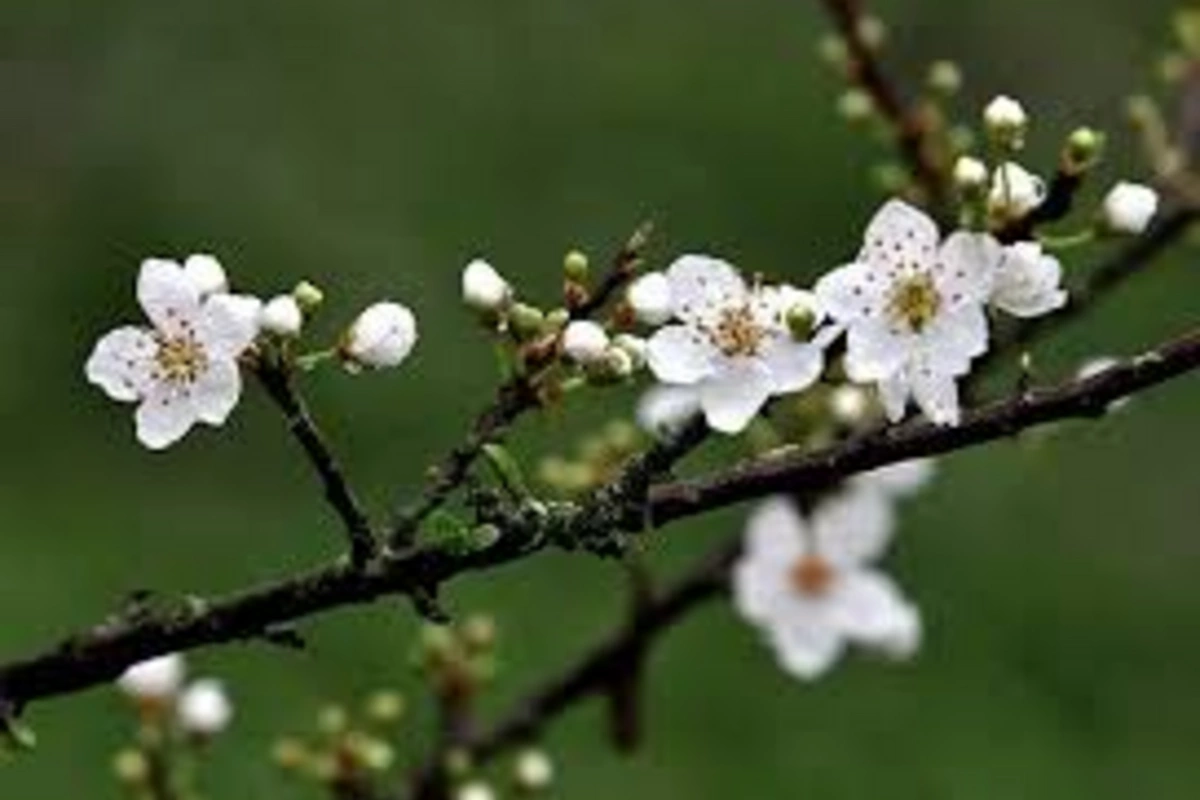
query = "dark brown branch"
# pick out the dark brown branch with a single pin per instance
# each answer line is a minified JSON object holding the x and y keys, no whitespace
{"x":277,"y":381}
{"x":908,"y":126}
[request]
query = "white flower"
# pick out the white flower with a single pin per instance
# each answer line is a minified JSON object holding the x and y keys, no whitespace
{"x":206,"y":274}
{"x":812,"y":587}
{"x":913,"y":309}
{"x":382,"y":336}
{"x":733,"y":342}
{"x":1027,"y":281}
{"x":281,"y":316}
{"x":898,"y":480}
{"x":154,"y":679}
{"x":475,"y":790}
{"x":650,"y":298}
{"x":970,"y":174}
{"x":483,"y":288}
{"x":1129,"y":207}
{"x":663,"y":410}
{"x":533,"y":771}
{"x":184,"y":369}
{"x":1005,"y":117}
{"x":1015,"y":191}
{"x":585,"y":342}
{"x":204,"y":708}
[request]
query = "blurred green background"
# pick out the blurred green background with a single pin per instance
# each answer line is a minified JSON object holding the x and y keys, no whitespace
{"x":374,"y":146}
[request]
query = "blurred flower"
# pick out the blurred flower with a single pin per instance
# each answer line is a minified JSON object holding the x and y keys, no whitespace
{"x":154,"y":679}
{"x":533,"y":771}
{"x":970,"y":174}
{"x":849,"y":404}
{"x":281,"y":316}
{"x":811,"y":586}
{"x":382,"y":336}
{"x":475,"y":790}
{"x":913,"y":310}
{"x":585,"y":342}
{"x":204,"y":708}
{"x":1129,"y":207}
{"x":734,"y":343}
{"x":483,"y":288}
{"x":650,"y":298}
{"x":1027,"y":281}
{"x":183,"y":370}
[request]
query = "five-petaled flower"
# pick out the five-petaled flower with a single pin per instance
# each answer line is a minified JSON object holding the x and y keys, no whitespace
{"x":811,"y":584}
{"x":733,"y":341}
{"x":913,"y":309}
{"x":185,"y":368}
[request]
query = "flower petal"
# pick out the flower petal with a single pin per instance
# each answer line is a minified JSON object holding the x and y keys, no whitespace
{"x":164,"y":416}
{"x":871,"y":610}
{"x":853,"y":527}
{"x":733,"y":396}
{"x":966,"y":267}
{"x":216,"y":392}
{"x":851,"y":292}
{"x":699,"y":283}
{"x":794,"y":366}
{"x":937,"y":395}
{"x":229,"y":323}
{"x":893,"y":394}
{"x":899,"y":480}
{"x":167,"y":296}
{"x":664,"y":409}
{"x":806,"y":644}
{"x":875,"y":351}
{"x":953,"y":339}
{"x":775,"y":532}
{"x":1027,"y":281}
{"x":679,"y":354}
{"x":898,"y":236}
{"x":122,"y":362}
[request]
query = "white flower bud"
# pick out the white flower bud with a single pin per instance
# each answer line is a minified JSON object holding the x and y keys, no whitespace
{"x":281,"y":316}
{"x":970,"y":174}
{"x":633,"y":346}
{"x":1129,"y":207}
{"x":308,"y":295}
{"x":650,"y":298}
{"x":849,"y":404}
{"x":204,"y":708}
{"x":475,"y":790}
{"x":1006,"y":121}
{"x":585,"y":342}
{"x":1015,"y":191}
{"x":206,"y":274}
{"x":382,"y":336}
{"x":155,"y":679}
{"x":533,"y":771}
{"x":483,"y":289}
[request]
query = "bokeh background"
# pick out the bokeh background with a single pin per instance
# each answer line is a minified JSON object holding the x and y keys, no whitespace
{"x":374,"y":146}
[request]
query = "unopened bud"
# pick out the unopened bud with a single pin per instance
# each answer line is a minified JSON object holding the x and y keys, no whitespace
{"x":332,"y":720}
{"x":308,"y":295}
{"x":855,"y":105}
{"x":1082,"y":150}
{"x":970,"y":175}
{"x":1006,"y":122}
{"x":585,"y":342}
{"x":945,"y":78}
{"x":526,"y":321}
{"x":634,"y":346}
{"x":801,"y":318}
{"x":479,"y":632}
{"x":131,"y":767}
{"x":533,"y":771}
{"x":832,"y":50}
{"x":386,"y":707}
{"x":575,"y":266}
{"x":871,"y":31}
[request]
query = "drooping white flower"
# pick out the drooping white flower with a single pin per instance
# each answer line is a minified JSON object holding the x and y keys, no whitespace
{"x":281,"y":316}
{"x":970,"y":174}
{"x":1015,"y":191}
{"x":650,"y":298}
{"x":206,"y":274}
{"x":204,"y":708}
{"x":812,"y":587}
{"x":483,"y":288}
{"x":733,"y":342}
{"x":183,"y":370}
{"x":533,"y":771}
{"x":664,"y":409}
{"x":913,"y":309}
{"x":382,"y":336}
{"x":1027,"y":281}
{"x":585,"y":342}
{"x":1129,"y":207}
{"x":155,"y":679}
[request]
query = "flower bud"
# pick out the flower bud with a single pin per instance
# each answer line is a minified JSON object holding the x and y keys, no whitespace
{"x":855,"y":105}
{"x":614,"y":366}
{"x":575,"y":267}
{"x":1082,"y":150}
{"x":309,"y":296}
{"x":526,"y":321}
{"x":650,"y":298}
{"x":849,"y":404}
{"x":479,"y":632}
{"x":1006,"y":122}
{"x":945,"y":78}
{"x":483,"y":289}
{"x":382,"y":336}
{"x":872,"y":31}
{"x":533,"y":771}
{"x":155,"y":679}
{"x":1128,"y":208}
{"x":970,"y":175}
{"x":281,"y":316}
{"x":801,"y":319}
{"x":204,"y":708}
{"x":634,"y":347}
{"x":585,"y":342}
{"x":332,"y":720}
{"x":1015,"y":191}
{"x":206,"y":274}
{"x":475,"y":790}
{"x":386,"y":707}
{"x":131,"y":767}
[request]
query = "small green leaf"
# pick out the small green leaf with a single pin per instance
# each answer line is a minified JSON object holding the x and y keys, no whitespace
{"x":507,"y":470}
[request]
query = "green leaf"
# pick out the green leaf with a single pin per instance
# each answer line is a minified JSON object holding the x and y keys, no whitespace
{"x":507,"y":470}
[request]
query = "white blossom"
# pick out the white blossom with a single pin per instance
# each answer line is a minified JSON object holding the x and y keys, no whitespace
{"x":206,"y":274}
{"x":1015,"y":191}
{"x":585,"y":342}
{"x":1129,"y":207}
{"x":732,"y":342}
{"x":204,"y":708}
{"x":664,"y":409}
{"x":184,"y":369}
{"x":650,"y":298}
{"x":812,"y":587}
{"x":154,"y":679}
{"x":382,"y":336}
{"x":483,"y":288}
{"x":281,"y":316}
{"x":1005,"y":116}
{"x":913,"y":309}
{"x":1027,"y":281}
{"x":970,"y":174}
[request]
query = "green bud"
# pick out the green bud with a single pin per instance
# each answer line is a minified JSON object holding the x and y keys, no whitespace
{"x":479,"y":632}
{"x":801,"y":318}
{"x":1187,"y":30}
{"x":575,"y":266}
{"x":386,"y":707}
{"x":945,"y":78}
{"x":1082,"y":149}
{"x":526,"y":321}
{"x":332,"y":720}
{"x":832,"y":50}
{"x":308,"y":296}
{"x":556,"y":320}
{"x":856,"y":106}
{"x":131,"y":767}
{"x":872,"y":31}
{"x":615,"y":366}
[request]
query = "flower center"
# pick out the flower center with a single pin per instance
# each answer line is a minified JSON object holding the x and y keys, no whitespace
{"x":811,"y":575}
{"x":180,"y":359}
{"x":915,"y":301}
{"x":737,"y":332}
